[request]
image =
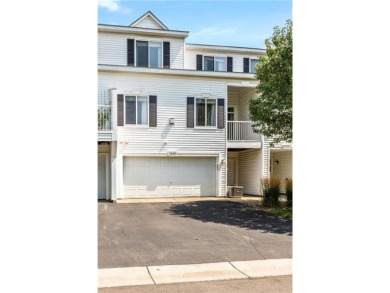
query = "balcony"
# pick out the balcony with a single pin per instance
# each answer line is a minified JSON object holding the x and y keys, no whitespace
{"x":241,"y":135}
{"x":104,"y":117}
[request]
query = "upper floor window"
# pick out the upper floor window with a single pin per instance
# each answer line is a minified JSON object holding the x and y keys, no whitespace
{"x":214,"y":63}
{"x":206,"y":112}
{"x":137,"y":110}
{"x":208,"y":63}
{"x":220,"y":63}
{"x":148,"y":54}
{"x":253,"y":64}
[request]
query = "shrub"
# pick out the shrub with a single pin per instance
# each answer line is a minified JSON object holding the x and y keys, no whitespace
{"x":271,"y":190}
{"x":289,"y":191}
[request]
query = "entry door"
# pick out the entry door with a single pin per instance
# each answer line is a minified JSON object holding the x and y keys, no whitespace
{"x":231,"y":173}
{"x":101,"y":176}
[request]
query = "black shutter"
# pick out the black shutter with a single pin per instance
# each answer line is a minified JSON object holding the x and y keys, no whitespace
{"x":246,"y":64}
{"x":167,"y":55}
{"x":130,"y":52}
{"x":230,"y":64}
{"x":190,"y":112}
{"x":120,"y":110}
{"x":221,"y":113}
{"x":199,"y":62}
{"x":152,"y":111}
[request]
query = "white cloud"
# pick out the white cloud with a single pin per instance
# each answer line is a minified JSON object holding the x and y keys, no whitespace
{"x":113,"y":6}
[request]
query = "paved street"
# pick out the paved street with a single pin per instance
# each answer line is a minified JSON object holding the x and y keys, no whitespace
{"x":147,"y":234}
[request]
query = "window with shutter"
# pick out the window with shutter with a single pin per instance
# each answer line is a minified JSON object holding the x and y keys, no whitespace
{"x":230,"y":64}
{"x":246,"y":65}
{"x":130,"y":52}
{"x":199,"y":65}
{"x":190,"y":112}
{"x":167,"y":55}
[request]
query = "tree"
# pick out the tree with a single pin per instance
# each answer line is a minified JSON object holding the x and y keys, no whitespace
{"x":271,"y":110}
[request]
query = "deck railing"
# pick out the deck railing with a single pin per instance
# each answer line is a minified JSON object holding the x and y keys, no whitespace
{"x":241,"y":131}
{"x":104,"y":111}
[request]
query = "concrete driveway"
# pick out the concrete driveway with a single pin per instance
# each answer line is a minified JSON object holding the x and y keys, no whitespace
{"x":145,"y":234}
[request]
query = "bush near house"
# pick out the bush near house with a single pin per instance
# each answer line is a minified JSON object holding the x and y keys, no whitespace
{"x":271,"y":190}
{"x":289,"y":191}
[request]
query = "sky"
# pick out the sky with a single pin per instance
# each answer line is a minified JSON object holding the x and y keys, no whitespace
{"x":227,"y":23}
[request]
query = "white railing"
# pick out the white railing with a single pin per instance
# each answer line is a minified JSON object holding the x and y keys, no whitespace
{"x":241,"y":131}
{"x":104,"y":111}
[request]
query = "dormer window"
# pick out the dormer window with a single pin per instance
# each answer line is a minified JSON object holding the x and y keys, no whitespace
{"x":148,"y":54}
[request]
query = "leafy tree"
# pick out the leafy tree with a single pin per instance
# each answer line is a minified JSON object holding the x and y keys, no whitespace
{"x":271,"y":110}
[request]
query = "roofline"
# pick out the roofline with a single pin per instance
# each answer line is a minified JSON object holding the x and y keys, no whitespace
{"x":139,"y":18}
{"x":241,"y":76}
{"x":127,"y":29}
{"x":226,"y":48}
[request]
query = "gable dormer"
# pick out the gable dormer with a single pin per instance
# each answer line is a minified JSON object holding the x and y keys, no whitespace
{"x":149,"y":20}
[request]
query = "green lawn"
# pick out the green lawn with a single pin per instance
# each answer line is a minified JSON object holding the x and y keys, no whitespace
{"x":283,"y":212}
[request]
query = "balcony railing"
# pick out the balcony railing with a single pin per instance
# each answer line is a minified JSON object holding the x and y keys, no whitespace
{"x":241,"y":131}
{"x":104,"y":111}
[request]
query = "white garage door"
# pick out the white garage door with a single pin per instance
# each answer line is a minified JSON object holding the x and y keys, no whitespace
{"x":101,"y":176}
{"x":168,"y":177}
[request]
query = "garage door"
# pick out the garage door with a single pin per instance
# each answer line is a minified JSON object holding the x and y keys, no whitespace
{"x":101,"y":176}
{"x":168,"y":177}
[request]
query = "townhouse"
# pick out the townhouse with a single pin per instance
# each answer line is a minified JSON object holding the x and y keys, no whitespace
{"x":173,"y":118}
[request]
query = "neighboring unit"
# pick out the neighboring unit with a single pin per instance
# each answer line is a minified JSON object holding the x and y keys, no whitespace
{"x":173,"y":118}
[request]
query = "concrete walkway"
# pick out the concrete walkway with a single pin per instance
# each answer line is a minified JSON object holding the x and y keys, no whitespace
{"x":131,"y":276}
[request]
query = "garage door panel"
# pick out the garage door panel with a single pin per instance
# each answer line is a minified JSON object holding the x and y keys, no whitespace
{"x":169,"y":177}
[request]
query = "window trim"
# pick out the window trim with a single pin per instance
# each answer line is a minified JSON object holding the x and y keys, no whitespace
{"x":214,"y":56}
{"x":205,"y":116}
{"x":147,"y":40}
{"x":136,"y":125}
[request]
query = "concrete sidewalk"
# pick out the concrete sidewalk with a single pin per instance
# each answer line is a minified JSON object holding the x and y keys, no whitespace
{"x":278,"y":284}
{"x":132,"y":276}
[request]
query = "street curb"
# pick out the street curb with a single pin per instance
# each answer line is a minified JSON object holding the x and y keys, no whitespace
{"x":149,"y":275}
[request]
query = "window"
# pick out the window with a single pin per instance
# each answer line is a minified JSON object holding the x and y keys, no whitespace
{"x":206,"y":111}
{"x":155,"y":54}
{"x":208,"y":63}
{"x":137,"y":110}
{"x":220,"y":63}
{"x":230,"y":113}
{"x":142,"y":54}
{"x":253,"y":63}
{"x":149,"y":54}
{"x":214,"y":63}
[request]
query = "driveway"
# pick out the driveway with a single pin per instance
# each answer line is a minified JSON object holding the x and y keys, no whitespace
{"x":146,"y":234}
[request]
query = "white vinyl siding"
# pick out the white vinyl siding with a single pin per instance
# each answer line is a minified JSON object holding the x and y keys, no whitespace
{"x":148,"y":22}
{"x":168,"y":177}
{"x":172,"y":93}
{"x":243,"y":103}
{"x":283,"y":169}
{"x":112,"y":48}
{"x":249,"y":171}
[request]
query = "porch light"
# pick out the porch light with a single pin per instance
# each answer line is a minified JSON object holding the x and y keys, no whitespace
{"x":277,"y":162}
{"x":171,"y":121}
